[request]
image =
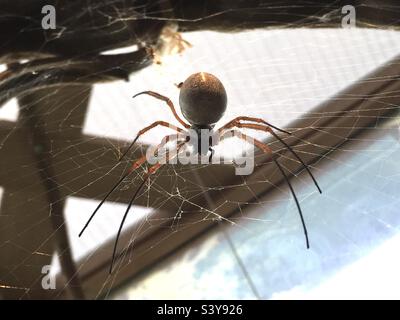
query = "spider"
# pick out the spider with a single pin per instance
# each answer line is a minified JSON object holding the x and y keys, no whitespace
{"x":203,"y":101}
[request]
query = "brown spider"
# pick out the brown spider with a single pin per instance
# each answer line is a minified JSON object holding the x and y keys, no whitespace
{"x":203,"y":102}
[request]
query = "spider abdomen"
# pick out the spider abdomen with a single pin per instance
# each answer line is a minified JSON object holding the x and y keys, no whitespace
{"x":202,"y":99}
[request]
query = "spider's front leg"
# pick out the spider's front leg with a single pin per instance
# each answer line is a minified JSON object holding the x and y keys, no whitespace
{"x":157,"y":123}
{"x":167,"y":101}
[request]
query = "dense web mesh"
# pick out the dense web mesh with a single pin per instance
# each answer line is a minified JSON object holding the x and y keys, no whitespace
{"x":279,"y":75}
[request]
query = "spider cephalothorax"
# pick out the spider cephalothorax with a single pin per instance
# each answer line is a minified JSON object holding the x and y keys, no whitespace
{"x":203,"y":101}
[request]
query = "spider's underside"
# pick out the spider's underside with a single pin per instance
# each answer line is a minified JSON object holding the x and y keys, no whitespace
{"x":203,"y":101}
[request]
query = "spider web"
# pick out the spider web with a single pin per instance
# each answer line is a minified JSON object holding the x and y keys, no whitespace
{"x":277,"y":75}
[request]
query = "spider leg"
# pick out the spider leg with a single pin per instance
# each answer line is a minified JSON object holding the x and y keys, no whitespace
{"x":124,"y":218}
{"x":167,"y":101}
{"x":231,"y":123}
{"x":153,"y":169}
{"x":144,"y":130}
{"x":133,"y":167}
{"x":269,"y":130}
{"x":102,"y":201}
{"x":296,"y":200}
{"x":266,"y":149}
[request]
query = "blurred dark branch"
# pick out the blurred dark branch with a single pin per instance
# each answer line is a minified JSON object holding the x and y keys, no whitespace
{"x":93,"y":26}
{"x":126,"y":63}
{"x":83,"y":28}
{"x":22,"y":79}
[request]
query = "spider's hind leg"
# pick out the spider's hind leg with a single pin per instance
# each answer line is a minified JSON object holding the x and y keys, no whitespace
{"x":152,"y":170}
{"x":296,"y":201}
